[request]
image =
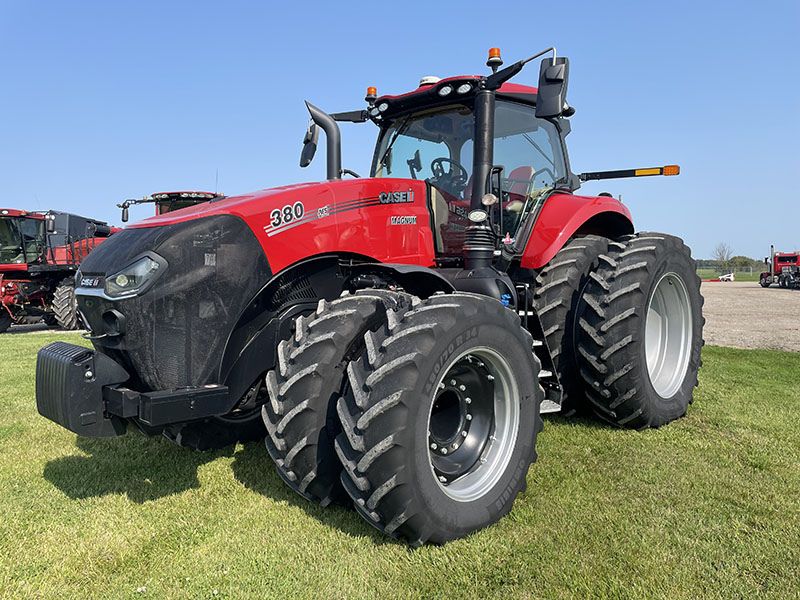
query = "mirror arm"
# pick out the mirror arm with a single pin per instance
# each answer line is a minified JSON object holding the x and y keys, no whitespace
{"x":333,"y":141}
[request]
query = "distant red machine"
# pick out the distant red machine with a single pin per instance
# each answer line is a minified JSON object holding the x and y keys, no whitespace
{"x":39,"y":254}
{"x":784,"y":269}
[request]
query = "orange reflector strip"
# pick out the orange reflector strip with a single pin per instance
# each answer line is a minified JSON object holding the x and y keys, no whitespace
{"x":672,"y":170}
{"x":640,"y":172}
{"x":494,"y":52}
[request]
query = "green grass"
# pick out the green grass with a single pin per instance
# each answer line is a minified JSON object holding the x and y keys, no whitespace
{"x":707,"y":507}
{"x":712,"y":274}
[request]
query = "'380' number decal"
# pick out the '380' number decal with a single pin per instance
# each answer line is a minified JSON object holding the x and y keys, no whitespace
{"x":287,"y":214}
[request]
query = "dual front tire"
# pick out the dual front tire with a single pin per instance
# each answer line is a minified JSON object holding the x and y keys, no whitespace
{"x":436,"y":411}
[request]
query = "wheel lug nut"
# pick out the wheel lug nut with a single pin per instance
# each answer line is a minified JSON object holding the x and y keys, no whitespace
{"x":469,"y":417}
{"x":452,"y":382}
{"x":463,"y":434}
{"x":441,"y":386}
{"x":462,"y":387}
{"x":434,"y":446}
{"x":444,"y":450}
{"x":468,"y":400}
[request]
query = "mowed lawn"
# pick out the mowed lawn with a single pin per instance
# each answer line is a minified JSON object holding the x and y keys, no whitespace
{"x":707,"y":507}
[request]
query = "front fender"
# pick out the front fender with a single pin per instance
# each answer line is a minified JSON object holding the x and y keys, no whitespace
{"x":564,"y":215}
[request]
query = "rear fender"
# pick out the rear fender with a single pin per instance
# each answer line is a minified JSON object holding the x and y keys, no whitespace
{"x":564,"y":215}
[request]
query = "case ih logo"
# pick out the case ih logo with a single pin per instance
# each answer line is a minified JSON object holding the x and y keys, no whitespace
{"x":396,"y":197}
{"x":90,"y":281}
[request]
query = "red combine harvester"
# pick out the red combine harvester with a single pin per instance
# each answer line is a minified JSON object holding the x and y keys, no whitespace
{"x":394,"y":338}
{"x":784,"y":269}
{"x":168,"y":201}
{"x":39,"y":254}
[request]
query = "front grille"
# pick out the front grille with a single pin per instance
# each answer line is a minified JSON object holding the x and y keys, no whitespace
{"x":177,"y":330}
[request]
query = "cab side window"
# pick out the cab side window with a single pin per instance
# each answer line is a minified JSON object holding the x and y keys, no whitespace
{"x":528,"y":148}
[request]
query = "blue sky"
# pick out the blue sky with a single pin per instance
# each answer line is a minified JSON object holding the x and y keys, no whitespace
{"x":103,"y":101}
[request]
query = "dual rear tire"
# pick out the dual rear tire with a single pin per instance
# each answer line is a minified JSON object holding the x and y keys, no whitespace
{"x":640,"y":331}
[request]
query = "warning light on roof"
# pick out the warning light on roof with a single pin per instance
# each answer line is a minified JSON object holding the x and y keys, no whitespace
{"x":372,"y":93}
{"x":494,"y":59}
{"x":672,"y":170}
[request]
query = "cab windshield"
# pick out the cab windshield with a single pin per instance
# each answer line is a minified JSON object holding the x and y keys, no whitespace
{"x":437,"y":146}
{"x":21,"y":240}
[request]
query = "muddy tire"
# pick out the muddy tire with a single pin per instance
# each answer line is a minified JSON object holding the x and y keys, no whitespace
{"x":240,"y":426}
{"x":559,"y":286}
{"x":439,"y":422}
{"x":64,"y":305}
{"x":300,"y":416}
{"x":641,"y":325}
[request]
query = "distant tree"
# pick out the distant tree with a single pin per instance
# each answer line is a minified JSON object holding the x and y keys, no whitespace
{"x":742,"y":262}
{"x":722,"y":253}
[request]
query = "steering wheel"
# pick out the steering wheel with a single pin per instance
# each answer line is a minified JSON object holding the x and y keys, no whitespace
{"x":456,"y":177}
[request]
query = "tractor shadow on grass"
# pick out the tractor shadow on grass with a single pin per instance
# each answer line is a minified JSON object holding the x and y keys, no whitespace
{"x":139,"y":467}
{"x":253,"y":467}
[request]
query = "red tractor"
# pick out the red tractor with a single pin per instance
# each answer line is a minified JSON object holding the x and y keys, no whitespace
{"x":394,"y":337}
{"x":39,"y":254}
{"x":784,"y":269}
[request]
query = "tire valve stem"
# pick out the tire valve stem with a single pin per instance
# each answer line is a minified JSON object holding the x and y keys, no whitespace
{"x":442,"y":478}
{"x":490,"y":377}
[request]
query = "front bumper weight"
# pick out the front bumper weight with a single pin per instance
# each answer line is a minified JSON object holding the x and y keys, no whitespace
{"x":69,"y":389}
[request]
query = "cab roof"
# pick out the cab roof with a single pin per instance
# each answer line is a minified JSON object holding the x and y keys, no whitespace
{"x":428,"y":95}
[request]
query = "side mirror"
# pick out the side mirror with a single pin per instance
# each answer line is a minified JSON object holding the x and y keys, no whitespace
{"x":309,"y":144}
{"x":50,"y":224}
{"x":125,"y":215}
{"x":551,"y":100}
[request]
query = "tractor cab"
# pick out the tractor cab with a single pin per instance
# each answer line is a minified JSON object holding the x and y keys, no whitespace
{"x":22,"y":237}
{"x":436,"y":145}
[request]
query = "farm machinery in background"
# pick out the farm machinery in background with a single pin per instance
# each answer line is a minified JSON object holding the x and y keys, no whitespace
{"x":395,"y":338}
{"x":784,"y":269}
{"x":39,"y":255}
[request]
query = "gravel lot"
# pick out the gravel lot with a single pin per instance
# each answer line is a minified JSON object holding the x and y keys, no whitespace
{"x":745,"y":315}
{"x":738,"y":314}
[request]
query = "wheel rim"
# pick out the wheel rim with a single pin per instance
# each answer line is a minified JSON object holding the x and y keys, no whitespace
{"x":668,"y":335}
{"x":473,"y":423}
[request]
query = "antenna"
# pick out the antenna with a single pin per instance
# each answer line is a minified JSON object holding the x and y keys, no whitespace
{"x":216,"y":180}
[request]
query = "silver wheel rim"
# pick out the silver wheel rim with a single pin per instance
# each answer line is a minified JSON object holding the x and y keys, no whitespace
{"x":499,"y":441}
{"x":668,"y":335}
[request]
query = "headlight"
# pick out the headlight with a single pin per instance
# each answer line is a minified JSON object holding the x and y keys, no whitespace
{"x":132,"y":279}
{"x":445,"y":90}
